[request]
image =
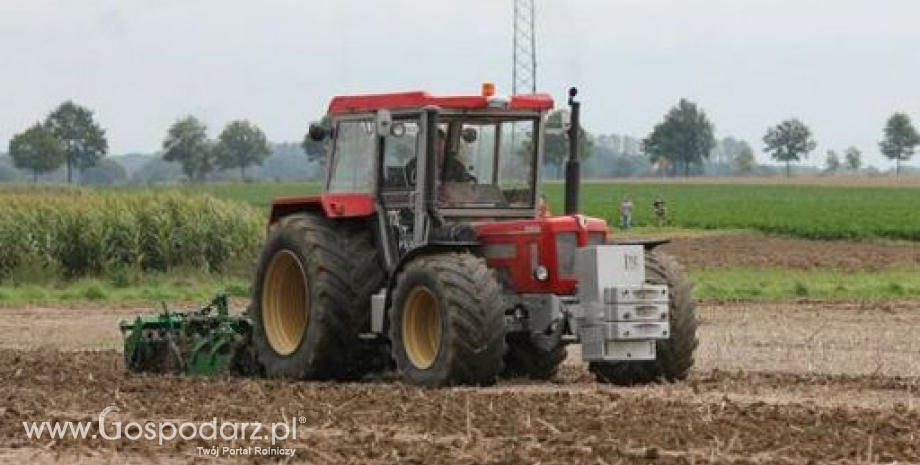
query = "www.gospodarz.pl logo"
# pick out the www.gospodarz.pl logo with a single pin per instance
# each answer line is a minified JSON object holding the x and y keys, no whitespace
{"x":169,"y":431}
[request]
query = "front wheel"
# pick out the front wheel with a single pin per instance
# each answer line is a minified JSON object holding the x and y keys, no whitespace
{"x":674,"y":356}
{"x":447,"y":322}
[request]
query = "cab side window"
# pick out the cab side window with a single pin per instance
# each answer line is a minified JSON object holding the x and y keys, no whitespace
{"x":353,"y":157}
{"x":399,"y":156}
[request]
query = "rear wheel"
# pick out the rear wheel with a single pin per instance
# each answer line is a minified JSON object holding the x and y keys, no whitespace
{"x":674,"y":356}
{"x":311,"y":299}
{"x":447,"y":322}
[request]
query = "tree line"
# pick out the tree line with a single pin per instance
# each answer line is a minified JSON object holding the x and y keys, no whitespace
{"x":68,"y":136}
{"x":686,"y":137}
{"x":680,"y":144}
{"x":240,"y":145}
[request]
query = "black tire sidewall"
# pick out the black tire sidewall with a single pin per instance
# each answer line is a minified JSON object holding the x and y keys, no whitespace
{"x":438,"y":372}
{"x":674,"y":357}
{"x":294,"y":364}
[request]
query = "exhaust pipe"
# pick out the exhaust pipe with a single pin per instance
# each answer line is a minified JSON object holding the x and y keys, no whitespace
{"x":572,"y":165}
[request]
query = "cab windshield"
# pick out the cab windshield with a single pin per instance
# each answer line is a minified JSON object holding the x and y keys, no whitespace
{"x":487,"y":162}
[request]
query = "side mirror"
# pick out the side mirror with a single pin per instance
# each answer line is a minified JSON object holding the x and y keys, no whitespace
{"x":319,"y":133}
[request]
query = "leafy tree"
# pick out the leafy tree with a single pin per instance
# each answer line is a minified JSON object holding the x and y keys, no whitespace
{"x":187,"y":143}
{"x":722,"y":158}
{"x":240,"y":145}
{"x":853,"y":158}
{"x":316,"y":151}
{"x":83,"y":140}
{"x":789,"y":141}
{"x":630,"y":165}
{"x":745,"y":161}
{"x":159,"y":171}
{"x":8,"y":171}
{"x":662,"y":166}
{"x":106,"y":173}
{"x":556,"y":146}
{"x":556,"y":150}
{"x":286,"y":163}
{"x":134,"y":162}
{"x":684,"y":138}
{"x":901,"y":139}
{"x":608,"y":159}
{"x":38,"y":150}
{"x":832,"y":163}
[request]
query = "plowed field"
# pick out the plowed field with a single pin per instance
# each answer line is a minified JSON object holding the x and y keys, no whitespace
{"x":774,"y":383}
{"x":754,"y":251}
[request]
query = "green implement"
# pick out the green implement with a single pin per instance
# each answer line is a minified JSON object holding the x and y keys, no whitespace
{"x":205,"y":342}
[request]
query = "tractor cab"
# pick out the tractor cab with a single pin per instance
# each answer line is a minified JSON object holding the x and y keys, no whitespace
{"x":484,"y":165}
{"x":473,"y":156}
{"x":436,"y":167}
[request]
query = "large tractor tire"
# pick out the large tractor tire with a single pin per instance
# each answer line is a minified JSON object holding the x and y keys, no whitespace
{"x":311,"y":299}
{"x":674,"y":356}
{"x":447,"y":322}
{"x":525,"y":360}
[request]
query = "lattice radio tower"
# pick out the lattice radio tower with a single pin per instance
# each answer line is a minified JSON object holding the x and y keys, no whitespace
{"x":524,"y":73}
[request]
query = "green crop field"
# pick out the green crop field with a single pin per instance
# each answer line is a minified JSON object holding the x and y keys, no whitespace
{"x":257,"y":194}
{"x":184,"y":242}
{"x":72,"y":233}
{"x":812,"y":212}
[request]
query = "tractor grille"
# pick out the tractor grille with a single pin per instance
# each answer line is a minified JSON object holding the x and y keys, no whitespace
{"x":566,"y":245}
{"x":500,"y":251}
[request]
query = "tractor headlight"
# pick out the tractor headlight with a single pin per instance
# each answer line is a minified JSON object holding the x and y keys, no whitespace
{"x":540,"y":273}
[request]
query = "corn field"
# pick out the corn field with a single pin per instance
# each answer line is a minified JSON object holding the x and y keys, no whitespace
{"x":76,"y":232}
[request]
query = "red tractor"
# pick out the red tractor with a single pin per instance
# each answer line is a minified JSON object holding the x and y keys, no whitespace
{"x":425,"y":253}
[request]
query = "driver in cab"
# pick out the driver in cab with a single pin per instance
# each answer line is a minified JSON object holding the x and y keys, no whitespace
{"x":451,"y":169}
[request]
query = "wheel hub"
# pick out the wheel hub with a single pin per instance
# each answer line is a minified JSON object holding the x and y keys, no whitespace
{"x":421,"y":328}
{"x":285,"y":307}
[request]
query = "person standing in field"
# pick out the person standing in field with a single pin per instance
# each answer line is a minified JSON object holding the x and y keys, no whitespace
{"x":661,"y":211}
{"x":626,"y":210}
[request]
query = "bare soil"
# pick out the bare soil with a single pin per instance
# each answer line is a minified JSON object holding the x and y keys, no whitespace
{"x":754,"y":251}
{"x":906,"y":181}
{"x":774,"y":383}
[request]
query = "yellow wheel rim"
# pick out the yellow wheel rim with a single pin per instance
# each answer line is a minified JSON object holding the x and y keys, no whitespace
{"x":284,"y":302}
{"x":421,"y":328}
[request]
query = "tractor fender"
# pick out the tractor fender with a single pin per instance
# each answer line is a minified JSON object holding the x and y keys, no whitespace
{"x":342,"y":206}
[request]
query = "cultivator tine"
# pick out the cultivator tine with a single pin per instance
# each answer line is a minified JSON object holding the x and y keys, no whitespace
{"x":175,"y":361}
{"x":208,"y":341}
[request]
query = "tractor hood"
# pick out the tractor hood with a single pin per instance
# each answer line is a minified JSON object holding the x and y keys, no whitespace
{"x":538,"y":255}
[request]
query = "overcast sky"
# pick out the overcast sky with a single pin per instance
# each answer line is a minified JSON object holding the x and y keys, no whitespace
{"x":842,"y":66}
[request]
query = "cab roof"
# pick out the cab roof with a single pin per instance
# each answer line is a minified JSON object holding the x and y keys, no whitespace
{"x":420,"y":99}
